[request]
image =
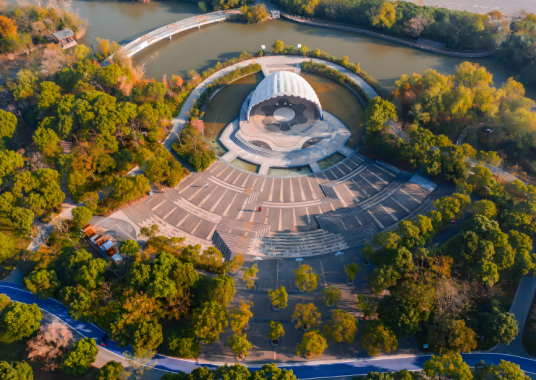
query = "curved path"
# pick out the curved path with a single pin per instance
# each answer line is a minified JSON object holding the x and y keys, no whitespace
{"x":307,"y":370}
{"x":402,"y":41}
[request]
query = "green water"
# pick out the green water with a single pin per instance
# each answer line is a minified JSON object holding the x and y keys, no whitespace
{"x":331,"y":160}
{"x":289,"y":172}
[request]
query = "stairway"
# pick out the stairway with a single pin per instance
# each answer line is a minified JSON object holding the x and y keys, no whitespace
{"x":359,"y":236}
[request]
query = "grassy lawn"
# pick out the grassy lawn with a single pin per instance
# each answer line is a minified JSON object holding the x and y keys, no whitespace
{"x":16,"y":351}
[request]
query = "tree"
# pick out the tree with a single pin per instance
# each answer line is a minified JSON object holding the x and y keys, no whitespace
{"x":249,"y":276}
{"x":8,"y":121}
{"x":352,"y":270}
{"x":209,"y":321}
{"x":7,"y":247}
{"x":22,"y":219}
{"x":342,"y":327}
{"x":79,"y":359}
{"x":8,"y":29}
{"x":451,"y":336}
{"x":279,"y":298}
{"x":239,"y":345}
{"x":42,"y":282}
{"x":500,"y":328}
{"x":49,"y":345}
{"x":306,"y":315}
{"x":9,"y":161}
{"x":47,"y":141}
{"x":278,"y":47}
{"x":18,"y":320}
{"x":270,"y":371}
{"x":486,"y":208}
{"x":138,"y":363}
{"x":257,"y":14}
{"x":384,"y":15}
{"x":240,"y":316}
{"x":312,"y":345}
{"x":145,"y":335}
{"x":222,"y":290}
{"x":81,"y":216}
{"x":130,"y":247}
{"x":503,"y":370}
{"x":331,"y":296}
{"x":378,"y":112}
{"x":234,"y":265}
{"x":401,"y":314}
{"x":16,"y":371}
{"x":447,"y":366}
{"x":415,"y":26}
{"x":184,"y":345}
{"x":306,"y":279}
{"x":276,"y":331}
{"x":378,"y":338}
{"x":111,"y":371}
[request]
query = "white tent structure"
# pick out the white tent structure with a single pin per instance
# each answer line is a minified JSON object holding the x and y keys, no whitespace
{"x":283,"y":83}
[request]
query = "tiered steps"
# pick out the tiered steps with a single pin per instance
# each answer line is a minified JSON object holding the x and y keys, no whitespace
{"x":324,"y":220}
{"x":237,"y":224}
{"x":294,"y":244}
{"x":229,"y":244}
{"x":174,"y":196}
{"x":327,"y":187}
{"x":359,"y":236}
{"x":139,"y":213}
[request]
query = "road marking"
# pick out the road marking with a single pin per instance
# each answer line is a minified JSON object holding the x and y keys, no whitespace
{"x":370,"y":183}
{"x":182,"y":220}
{"x":230,"y":204}
{"x":400,"y":204}
{"x":266,"y":217}
{"x":197,"y":192}
{"x":239,"y":216}
{"x":281,"y":193}
{"x":197,"y":225}
{"x":389,"y":212}
{"x":358,"y":220}
{"x":280,"y":219}
{"x":313,"y":194}
{"x":291,"y":191}
{"x":349,"y":168}
{"x":385,"y":171}
{"x":376,"y":220}
{"x":344,"y":225}
{"x":158,"y":205}
{"x":218,"y":201}
{"x":169,"y":213}
{"x":262,"y":186}
{"x":355,"y":198}
{"x":209,"y":236}
{"x":270,"y":197}
{"x":252,"y":214}
{"x":360,"y":188}
{"x":245,"y":180}
{"x":332,"y":207}
{"x":323,"y":274}
{"x":232,"y":171}
{"x":205,"y":199}
{"x":302,"y":193}
{"x":344,"y":204}
{"x":294,"y":217}
{"x":308,"y":218}
{"x":340,"y":170}
{"x":237,"y":178}
{"x":377,"y":176}
{"x":411,"y":196}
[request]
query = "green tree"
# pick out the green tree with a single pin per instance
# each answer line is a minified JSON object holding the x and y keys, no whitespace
{"x":81,"y":216}
{"x":306,"y":315}
{"x":16,"y":371}
{"x":381,"y":278}
{"x":383,"y":15}
{"x":447,"y":366}
{"x":276,"y":331}
{"x":111,"y":371}
{"x":306,"y":279}
{"x":249,"y":276}
{"x":7,"y":247}
{"x":209,"y":321}
{"x":47,"y":141}
{"x":270,"y":371}
{"x":451,"y":336}
{"x":79,"y":359}
{"x":378,"y":338}
{"x":184,"y":345}
{"x":130,"y":247}
{"x":278,"y":47}
{"x":331,"y":296}
{"x":234,"y":265}
{"x":22,"y":219}
{"x":18,"y":320}
{"x":401,"y":314}
{"x":503,"y":370}
{"x":279,"y":298}
{"x":240,"y":316}
{"x":377,"y":114}
{"x":145,"y":335}
{"x":222,"y":290}
{"x":42,"y":282}
{"x":312,"y":345}
{"x":342,"y":327}
{"x":352,"y":270}
{"x":239,"y":345}
{"x":8,"y":124}
{"x":500,"y":328}
{"x":9,"y":161}
{"x":485,"y":208}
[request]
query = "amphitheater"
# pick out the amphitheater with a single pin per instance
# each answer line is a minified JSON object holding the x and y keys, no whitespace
{"x":326,"y":211}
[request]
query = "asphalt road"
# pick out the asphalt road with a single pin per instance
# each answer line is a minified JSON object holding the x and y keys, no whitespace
{"x":309,"y":370}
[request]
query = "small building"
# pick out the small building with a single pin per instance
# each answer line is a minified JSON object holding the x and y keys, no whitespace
{"x":102,"y":243}
{"x":65,"y":38}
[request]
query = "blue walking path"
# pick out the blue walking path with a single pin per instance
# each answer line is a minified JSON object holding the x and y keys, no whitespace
{"x":308,"y":370}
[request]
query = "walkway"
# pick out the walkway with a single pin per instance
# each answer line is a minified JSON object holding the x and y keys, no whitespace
{"x":403,"y":41}
{"x":307,"y":370}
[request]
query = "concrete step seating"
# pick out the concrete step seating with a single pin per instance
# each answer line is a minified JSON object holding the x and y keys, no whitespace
{"x":400,"y":180}
{"x":259,"y":229}
{"x":253,"y":149}
{"x":327,"y":187}
{"x":298,"y":243}
{"x":359,"y":236}
{"x":139,"y":213}
{"x":174,"y":196}
{"x":230,"y":245}
{"x":441,"y":191}
{"x":253,"y":194}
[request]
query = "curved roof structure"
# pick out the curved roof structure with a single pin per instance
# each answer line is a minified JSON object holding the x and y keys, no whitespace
{"x":283,"y":83}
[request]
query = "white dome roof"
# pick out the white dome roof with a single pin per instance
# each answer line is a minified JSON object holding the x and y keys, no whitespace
{"x":283,"y":83}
